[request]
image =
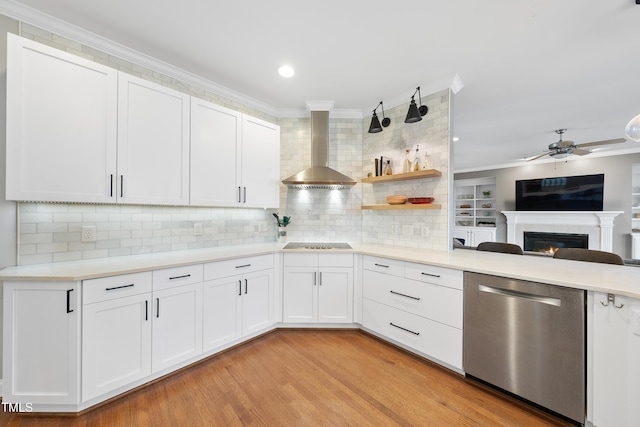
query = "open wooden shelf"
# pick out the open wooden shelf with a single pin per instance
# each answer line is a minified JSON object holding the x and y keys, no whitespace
{"x":428,"y":173}
{"x":405,"y":206}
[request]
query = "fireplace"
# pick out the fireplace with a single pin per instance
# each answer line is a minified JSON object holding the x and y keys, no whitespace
{"x":548,"y":243}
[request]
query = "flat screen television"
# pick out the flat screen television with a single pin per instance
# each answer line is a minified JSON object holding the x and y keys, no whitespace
{"x":568,"y":193}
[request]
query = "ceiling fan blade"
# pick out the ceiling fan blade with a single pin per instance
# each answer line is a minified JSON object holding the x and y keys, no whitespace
{"x":580,"y":151}
{"x":537,"y":157}
{"x":605,"y":142}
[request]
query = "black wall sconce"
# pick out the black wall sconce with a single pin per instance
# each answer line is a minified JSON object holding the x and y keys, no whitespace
{"x":415,"y":113}
{"x":375,"y":122}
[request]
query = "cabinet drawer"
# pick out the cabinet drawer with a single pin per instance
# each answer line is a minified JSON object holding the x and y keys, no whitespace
{"x":383,"y":265}
{"x":309,"y":259}
{"x":433,"y":339}
{"x":436,"y":275}
{"x":177,"y":276}
{"x":107,"y":288}
{"x":231,"y":267}
{"x":434,"y":302}
{"x":335,"y":260}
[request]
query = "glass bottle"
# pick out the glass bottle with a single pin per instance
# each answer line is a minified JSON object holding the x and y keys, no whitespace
{"x":406,"y":166}
{"x":416,"y":160}
{"x":387,"y":168}
{"x":426,"y":163}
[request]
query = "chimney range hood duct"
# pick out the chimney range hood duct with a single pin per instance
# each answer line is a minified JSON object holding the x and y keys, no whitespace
{"x":319,"y":175}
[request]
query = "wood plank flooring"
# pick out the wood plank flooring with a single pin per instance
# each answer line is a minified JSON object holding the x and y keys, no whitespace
{"x":307,"y":378}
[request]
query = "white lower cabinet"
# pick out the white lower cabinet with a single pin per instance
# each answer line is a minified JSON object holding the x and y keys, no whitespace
{"x":41,"y":351}
{"x":473,"y":236}
{"x":237,"y":299}
{"x":614,"y":371}
{"x":138,"y":324}
{"x":419,"y":306}
{"x":318,"y":288}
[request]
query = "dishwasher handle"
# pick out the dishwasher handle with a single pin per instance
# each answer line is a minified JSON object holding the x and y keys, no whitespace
{"x":523,"y":295}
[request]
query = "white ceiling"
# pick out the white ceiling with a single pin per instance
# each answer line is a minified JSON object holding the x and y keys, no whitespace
{"x":528,"y":67}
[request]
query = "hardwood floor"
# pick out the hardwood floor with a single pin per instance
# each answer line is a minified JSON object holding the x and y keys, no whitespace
{"x":307,"y":378}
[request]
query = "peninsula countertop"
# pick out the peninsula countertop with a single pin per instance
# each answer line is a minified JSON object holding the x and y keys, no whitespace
{"x":620,"y":280}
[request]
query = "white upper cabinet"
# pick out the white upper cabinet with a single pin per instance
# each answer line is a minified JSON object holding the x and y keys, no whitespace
{"x":260,"y":172}
{"x":61,"y":125}
{"x":215,"y":154}
{"x":153,"y":143}
{"x":235,"y":158}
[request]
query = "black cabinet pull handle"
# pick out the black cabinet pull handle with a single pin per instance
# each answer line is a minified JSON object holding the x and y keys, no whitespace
{"x":69,"y":310}
{"x":245,"y":195}
{"x":246,"y":286}
{"x":146,"y":309}
{"x":320,"y":281}
{"x":243,"y":266}
{"x":111,"y":191}
{"x":121,"y":185}
{"x":157,"y":307}
{"x":430,"y":275}
{"x":381,"y":265}
{"x":404,"y":329}
{"x":180,"y":277}
{"x":239,"y":287}
{"x":239,"y":195}
{"x":403,"y":295}
{"x":120,"y":287}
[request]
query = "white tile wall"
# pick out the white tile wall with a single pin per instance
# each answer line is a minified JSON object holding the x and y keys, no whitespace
{"x":412,"y":228}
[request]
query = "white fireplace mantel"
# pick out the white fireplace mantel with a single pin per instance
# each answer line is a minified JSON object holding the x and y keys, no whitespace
{"x":598,"y":224}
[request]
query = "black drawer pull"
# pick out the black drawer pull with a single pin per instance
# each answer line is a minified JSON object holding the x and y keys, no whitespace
{"x":404,"y":329}
{"x":403,"y":295}
{"x":69,"y":310}
{"x":120,"y":287}
{"x":111,"y":191}
{"x":239,"y":287}
{"x":243,"y":266}
{"x":146,"y":309}
{"x":246,"y":286}
{"x":381,"y":265}
{"x":431,"y":275}
{"x":157,"y":307}
{"x":121,"y":185}
{"x":184,"y":276}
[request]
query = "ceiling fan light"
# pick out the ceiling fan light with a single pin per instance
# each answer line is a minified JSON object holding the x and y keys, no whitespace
{"x":633,"y":129}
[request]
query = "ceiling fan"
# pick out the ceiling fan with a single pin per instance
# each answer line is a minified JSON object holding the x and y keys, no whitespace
{"x":569,"y":147}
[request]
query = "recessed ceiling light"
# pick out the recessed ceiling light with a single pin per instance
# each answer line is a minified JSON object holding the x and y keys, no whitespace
{"x":286,"y":71}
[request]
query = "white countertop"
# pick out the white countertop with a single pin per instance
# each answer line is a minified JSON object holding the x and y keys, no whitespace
{"x":620,"y":280}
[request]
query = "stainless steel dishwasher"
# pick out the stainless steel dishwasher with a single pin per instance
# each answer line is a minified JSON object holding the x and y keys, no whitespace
{"x":527,"y":338}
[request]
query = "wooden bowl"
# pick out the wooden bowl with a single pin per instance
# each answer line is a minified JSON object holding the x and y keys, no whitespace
{"x":396,"y":200}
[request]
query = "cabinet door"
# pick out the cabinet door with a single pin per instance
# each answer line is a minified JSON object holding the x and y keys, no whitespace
{"x":461,"y":234}
{"x":41,"y":343}
{"x":300,"y":295}
{"x":335,"y":295}
{"x":257,"y":301}
{"x":260,"y":163}
{"x":153,"y":143}
{"x":61,"y":125}
{"x":177,"y":325}
{"x":222,"y":312}
{"x":116,"y":344}
{"x":215,"y":154}
{"x":616,"y":350}
{"x":483,"y":235}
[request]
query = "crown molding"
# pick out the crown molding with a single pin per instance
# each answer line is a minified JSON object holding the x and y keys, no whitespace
{"x":62,"y":28}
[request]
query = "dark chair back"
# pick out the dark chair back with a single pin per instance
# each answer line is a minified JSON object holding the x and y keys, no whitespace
{"x":505,"y":248}
{"x":588,"y":255}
